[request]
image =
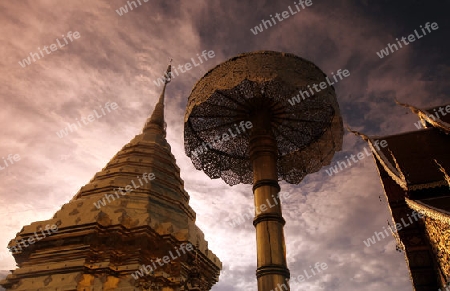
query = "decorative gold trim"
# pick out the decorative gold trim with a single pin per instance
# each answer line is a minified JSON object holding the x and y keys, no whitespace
{"x":397,"y":176}
{"x":438,"y":123}
{"x":383,"y":160}
{"x":423,"y":115}
{"x":395,"y":172}
{"x":427,"y":186}
{"x":441,"y":168}
{"x":434,"y":213}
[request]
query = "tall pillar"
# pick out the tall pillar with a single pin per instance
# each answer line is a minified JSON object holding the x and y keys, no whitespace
{"x":272,"y":271}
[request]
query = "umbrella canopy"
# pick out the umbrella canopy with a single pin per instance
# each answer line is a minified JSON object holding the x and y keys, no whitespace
{"x":221,"y":112}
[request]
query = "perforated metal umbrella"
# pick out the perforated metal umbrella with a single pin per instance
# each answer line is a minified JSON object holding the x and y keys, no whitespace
{"x":246,"y":122}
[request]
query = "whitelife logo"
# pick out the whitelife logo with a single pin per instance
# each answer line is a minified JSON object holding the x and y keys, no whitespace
{"x":418,"y":124}
{"x":124,"y":9}
{"x":412,"y":37}
{"x":360,"y":156}
{"x":127,"y":189}
{"x":323,"y":85}
{"x":188,"y":66}
{"x":11,"y":158}
{"x":284,"y":14}
{"x":91,"y":117}
{"x":319,"y":267}
{"x":240,"y":219}
{"x":166,"y":259}
{"x":398,"y":226}
{"x":31,"y":240}
{"x":219,"y":139}
{"x":53,"y":48}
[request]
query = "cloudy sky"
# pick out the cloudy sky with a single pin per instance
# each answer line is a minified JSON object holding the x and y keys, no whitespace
{"x":116,"y":59}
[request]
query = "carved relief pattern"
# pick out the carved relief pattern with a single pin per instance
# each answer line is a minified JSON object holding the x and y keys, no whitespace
{"x":439,"y":234}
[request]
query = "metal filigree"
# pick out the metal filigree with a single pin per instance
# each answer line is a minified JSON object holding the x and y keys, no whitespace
{"x":439,"y":234}
{"x":307,"y":132}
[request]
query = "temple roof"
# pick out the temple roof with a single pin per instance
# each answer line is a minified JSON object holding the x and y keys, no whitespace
{"x":409,"y":157}
{"x":413,"y":168}
{"x":418,"y":159}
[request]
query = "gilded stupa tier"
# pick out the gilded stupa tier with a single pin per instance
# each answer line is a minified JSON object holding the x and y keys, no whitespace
{"x":129,"y":228}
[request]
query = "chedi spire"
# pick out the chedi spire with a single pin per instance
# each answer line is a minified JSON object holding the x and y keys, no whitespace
{"x":156,"y":120}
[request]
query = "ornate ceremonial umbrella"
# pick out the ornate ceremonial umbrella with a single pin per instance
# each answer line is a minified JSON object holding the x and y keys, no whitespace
{"x":246,"y":122}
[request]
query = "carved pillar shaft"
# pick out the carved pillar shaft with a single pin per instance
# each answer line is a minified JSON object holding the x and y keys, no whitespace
{"x":272,"y":271}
